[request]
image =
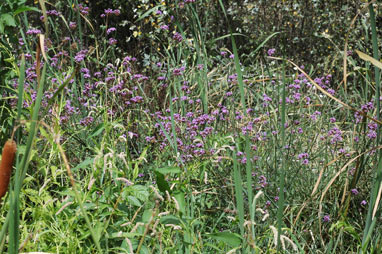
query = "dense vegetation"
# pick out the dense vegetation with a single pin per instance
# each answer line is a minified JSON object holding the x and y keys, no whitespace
{"x":190,"y":126}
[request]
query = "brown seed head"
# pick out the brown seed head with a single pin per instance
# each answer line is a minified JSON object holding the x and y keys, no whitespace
{"x":8,"y":156}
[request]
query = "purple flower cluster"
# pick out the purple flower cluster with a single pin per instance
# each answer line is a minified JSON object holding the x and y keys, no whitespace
{"x":84,"y":10}
{"x":80,"y":56}
{"x":33,"y":31}
{"x":335,"y":134}
{"x":303,"y":157}
{"x":110,"y":12}
{"x":177,"y":37}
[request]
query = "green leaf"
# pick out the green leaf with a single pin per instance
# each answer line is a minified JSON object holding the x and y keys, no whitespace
{"x":97,"y":130}
{"x":25,"y":8}
{"x":134,"y":201}
{"x":169,"y":170}
{"x":83,"y":164}
{"x":140,"y":192}
{"x":147,"y":13}
{"x":170,"y":219}
{"x":231,"y":239}
{"x":263,"y":43}
{"x":8,"y":19}
{"x":179,"y":196}
{"x":147,"y":215}
{"x":223,"y":37}
{"x":162,"y":183}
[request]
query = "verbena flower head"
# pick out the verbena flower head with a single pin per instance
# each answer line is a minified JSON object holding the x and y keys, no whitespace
{"x":270,"y":52}
{"x":110,"y":30}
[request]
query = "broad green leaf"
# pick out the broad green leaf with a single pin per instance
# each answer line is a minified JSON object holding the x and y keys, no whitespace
{"x":169,"y":170}
{"x":231,"y":239}
{"x":140,"y":192}
{"x":147,"y":215}
{"x":8,"y":19}
{"x":134,"y":201}
{"x":162,"y":183}
{"x":179,"y":196}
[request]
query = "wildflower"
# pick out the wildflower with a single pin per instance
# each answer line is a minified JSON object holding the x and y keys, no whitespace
{"x":112,"y":41}
{"x":177,"y":37}
{"x":314,"y":115}
{"x":72,"y":25}
{"x":354,"y":191}
{"x":87,"y":120}
{"x":270,"y":52}
{"x":33,"y":31}
{"x":164,"y":27}
{"x":331,"y":91}
{"x":178,"y":71}
{"x":363,"y":202}
{"x":110,"y":30}
{"x":326,"y":218}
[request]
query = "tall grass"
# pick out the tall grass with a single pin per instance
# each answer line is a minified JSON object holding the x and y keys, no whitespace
{"x":192,"y":149}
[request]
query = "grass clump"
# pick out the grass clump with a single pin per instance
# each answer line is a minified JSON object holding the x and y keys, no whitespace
{"x":192,"y":148}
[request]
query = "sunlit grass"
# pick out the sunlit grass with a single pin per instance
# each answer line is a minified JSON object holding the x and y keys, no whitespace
{"x":187,"y":150}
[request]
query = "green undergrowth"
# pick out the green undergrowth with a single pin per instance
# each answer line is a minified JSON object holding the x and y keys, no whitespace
{"x":190,"y":149}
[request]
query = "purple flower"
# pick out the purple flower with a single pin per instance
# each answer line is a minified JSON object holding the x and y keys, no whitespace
{"x":33,"y":31}
{"x":110,"y":30}
{"x":112,"y":41}
{"x":303,"y":155}
{"x":80,"y":56}
{"x":164,"y":27}
{"x":86,"y":121}
{"x":177,"y":37}
{"x":363,"y":202}
{"x":72,"y":25}
{"x":270,"y":52}
{"x":178,"y":71}
{"x":326,"y":218}
{"x":354,"y":191}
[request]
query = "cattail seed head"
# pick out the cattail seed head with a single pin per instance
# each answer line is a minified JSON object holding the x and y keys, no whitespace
{"x":8,"y":156}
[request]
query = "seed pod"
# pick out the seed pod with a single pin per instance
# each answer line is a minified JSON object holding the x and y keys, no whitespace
{"x":8,"y":156}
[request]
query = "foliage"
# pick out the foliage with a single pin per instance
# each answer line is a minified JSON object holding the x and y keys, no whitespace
{"x":163,"y":131}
